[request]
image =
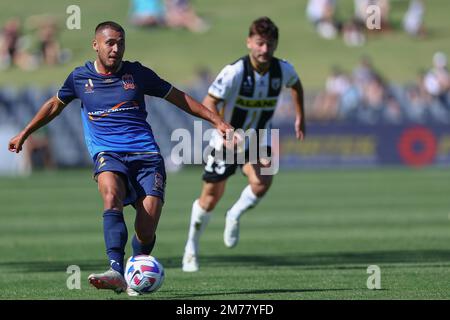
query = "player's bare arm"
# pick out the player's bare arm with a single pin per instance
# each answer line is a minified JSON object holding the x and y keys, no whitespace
{"x":298,"y":100}
{"x":193,"y":107}
{"x":49,"y":110}
{"x":212,"y":103}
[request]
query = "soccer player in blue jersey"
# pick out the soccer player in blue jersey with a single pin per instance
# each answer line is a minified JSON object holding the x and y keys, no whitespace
{"x":128,"y":166}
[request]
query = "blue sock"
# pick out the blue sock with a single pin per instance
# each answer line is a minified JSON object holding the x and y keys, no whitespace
{"x":116,"y":236}
{"x":140,"y":248}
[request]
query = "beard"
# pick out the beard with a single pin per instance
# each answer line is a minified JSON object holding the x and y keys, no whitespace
{"x":110,"y":63}
{"x":264,"y":58}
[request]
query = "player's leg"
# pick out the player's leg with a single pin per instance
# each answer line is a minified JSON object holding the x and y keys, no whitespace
{"x":215,"y":175}
{"x":113,"y":190}
{"x":258,"y":186}
{"x":112,"y":187}
{"x":201,"y":213}
{"x":148,"y":212}
{"x":148,"y":180}
{"x":259,"y":183}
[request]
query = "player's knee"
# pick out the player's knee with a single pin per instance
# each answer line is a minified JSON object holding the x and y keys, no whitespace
{"x":112,"y":200}
{"x":260,"y":191}
{"x":260,"y":187}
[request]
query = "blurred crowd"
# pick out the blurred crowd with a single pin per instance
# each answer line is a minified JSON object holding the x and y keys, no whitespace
{"x":364,"y":96}
{"x":39,"y":46}
{"x":178,"y":14}
{"x":34,"y":42}
{"x":323,"y":15}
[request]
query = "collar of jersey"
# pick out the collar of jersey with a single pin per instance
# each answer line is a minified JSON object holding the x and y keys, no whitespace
{"x":107,"y":75}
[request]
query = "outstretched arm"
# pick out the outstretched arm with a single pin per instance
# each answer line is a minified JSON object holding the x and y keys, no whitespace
{"x":212,"y":103}
{"x":192,"y":106}
{"x":49,"y":110}
{"x":298,"y":100}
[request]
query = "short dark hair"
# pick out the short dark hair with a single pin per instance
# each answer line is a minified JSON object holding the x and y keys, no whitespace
{"x":264,"y":27}
{"x":109,"y":25}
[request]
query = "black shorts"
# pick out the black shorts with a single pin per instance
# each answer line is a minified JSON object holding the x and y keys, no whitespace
{"x":216,"y":169}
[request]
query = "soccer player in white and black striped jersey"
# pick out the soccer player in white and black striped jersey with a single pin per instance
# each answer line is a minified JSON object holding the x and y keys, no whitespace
{"x":245,"y":93}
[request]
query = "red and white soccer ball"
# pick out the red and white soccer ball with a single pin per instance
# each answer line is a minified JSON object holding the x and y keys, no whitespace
{"x":144,"y":274}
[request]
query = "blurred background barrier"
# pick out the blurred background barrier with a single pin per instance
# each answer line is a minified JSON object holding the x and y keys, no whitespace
{"x":349,"y":145}
{"x":365,"y":136}
{"x":11,"y":164}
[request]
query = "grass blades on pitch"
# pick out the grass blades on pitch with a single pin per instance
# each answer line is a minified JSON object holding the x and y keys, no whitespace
{"x":313,"y":237}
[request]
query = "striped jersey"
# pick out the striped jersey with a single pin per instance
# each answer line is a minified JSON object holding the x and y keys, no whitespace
{"x":251,"y":98}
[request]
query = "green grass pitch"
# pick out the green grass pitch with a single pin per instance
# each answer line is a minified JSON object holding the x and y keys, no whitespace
{"x":313,"y":237}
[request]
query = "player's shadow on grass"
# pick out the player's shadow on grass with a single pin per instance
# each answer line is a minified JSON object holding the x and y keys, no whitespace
{"x":343,"y":260}
{"x":322,"y":260}
{"x":53,"y":266}
{"x":262,"y":292}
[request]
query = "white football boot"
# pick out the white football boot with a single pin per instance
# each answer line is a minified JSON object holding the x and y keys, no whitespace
{"x":231,"y":232}
{"x":190,"y":262}
{"x":110,"y":279}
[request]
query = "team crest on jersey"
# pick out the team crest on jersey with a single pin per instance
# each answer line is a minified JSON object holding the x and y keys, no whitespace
{"x":89,"y":87}
{"x":275,"y":83}
{"x":128,"y":82}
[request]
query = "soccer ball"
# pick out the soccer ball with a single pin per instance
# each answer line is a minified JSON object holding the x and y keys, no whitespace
{"x":144,"y":274}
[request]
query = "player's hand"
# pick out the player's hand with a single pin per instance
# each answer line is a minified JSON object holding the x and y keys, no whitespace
{"x":225,"y":130}
{"x":16,"y":143}
{"x":228,"y":134}
{"x":299,"y":134}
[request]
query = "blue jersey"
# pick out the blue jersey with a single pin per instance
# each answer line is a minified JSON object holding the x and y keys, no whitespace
{"x":113,"y":107}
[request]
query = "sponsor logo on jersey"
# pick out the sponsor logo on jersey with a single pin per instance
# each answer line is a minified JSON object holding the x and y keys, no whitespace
{"x":96,"y":115}
{"x":265,"y":103}
{"x":128,"y":82}
{"x":247,"y":86}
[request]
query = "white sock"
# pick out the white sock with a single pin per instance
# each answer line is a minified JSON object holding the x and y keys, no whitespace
{"x":246,"y":201}
{"x":199,"y":221}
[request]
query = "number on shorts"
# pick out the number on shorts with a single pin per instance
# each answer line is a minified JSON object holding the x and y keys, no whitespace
{"x":215,"y":165}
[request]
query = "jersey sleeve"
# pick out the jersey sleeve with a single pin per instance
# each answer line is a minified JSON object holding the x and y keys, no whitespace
{"x":67,"y":92}
{"x":224,"y":84}
{"x":153,"y":84}
{"x":290,"y":76}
